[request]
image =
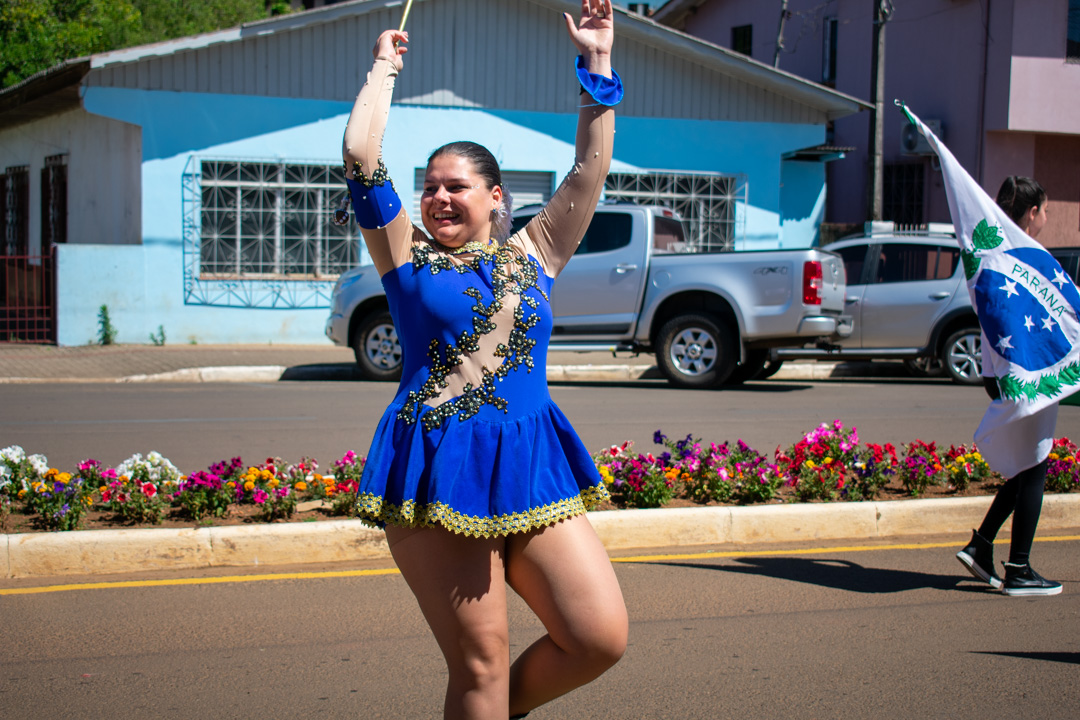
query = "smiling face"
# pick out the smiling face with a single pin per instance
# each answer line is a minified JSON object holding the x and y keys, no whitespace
{"x":456,"y":202}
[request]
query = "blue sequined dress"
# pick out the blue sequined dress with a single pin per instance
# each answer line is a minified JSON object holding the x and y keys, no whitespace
{"x":473,"y":441}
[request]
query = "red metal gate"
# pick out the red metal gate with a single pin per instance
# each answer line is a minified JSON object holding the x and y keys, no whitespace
{"x":28,"y":298}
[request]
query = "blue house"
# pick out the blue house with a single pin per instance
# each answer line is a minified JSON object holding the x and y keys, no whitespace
{"x":190,"y":185}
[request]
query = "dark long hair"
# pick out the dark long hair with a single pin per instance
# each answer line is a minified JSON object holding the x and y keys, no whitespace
{"x":487,"y":167}
{"x":1019,"y":194}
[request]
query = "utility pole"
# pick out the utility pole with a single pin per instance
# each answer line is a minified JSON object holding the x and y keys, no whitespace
{"x":780,"y":33}
{"x":882,"y":11}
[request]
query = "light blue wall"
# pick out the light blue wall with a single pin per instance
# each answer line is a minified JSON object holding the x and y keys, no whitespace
{"x":144,"y":286}
{"x":802,"y":202}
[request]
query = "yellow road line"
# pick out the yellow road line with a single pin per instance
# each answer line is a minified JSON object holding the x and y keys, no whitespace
{"x":394,"y":571}
{"x":812,"y":551}
{"x":196,"y":581}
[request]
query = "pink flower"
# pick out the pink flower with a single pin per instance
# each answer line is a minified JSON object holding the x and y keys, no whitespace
{"x":260,"y":496}
{"x":148,"y":489}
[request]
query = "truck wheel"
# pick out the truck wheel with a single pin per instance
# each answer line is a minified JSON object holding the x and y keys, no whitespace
{"x":696,"y":351}
{"x":375,"y":344}
{"x":772,"y":366}
{"x":962,"y":356}
{"x":749,"y":369}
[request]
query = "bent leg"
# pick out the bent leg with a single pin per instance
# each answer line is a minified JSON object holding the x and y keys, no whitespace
{"x":459,"y":583}
{"x":563,"y":573}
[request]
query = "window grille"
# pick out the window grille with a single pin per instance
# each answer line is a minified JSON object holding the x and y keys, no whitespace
{"x":15,"y":209}
{"x":273,"y":220}
{"x":54,"y":201}
{"x":708,"y":203}
{"x":902,"y":193}
{"x":742,"y":39}
{"x":1072,"y":36}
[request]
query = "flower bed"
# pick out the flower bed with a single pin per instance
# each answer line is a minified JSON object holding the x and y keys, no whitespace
{"x":826,"y":464}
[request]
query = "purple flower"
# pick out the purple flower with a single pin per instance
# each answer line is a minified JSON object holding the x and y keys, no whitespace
{"x":659,"y":437}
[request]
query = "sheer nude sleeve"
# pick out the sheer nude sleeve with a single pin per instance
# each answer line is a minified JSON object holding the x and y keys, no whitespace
{"x":386,"y":228}
{"x":554,"y":234}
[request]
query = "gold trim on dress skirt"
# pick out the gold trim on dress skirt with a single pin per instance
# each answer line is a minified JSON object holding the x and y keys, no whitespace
{"x":375,"y":511}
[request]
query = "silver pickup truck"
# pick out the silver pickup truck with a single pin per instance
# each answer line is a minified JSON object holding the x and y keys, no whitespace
{"x":636,"y":285}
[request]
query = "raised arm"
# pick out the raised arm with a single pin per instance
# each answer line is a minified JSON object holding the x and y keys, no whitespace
{"x":385,"y":228}
{"x":556,"y":232}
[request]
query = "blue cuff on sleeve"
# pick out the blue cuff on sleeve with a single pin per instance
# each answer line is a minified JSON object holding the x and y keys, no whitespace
{"x":604,"y":90}
{"x":373,"y":206}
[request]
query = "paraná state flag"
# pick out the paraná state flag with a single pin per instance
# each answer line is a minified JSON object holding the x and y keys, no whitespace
{"x":1027,"y":307}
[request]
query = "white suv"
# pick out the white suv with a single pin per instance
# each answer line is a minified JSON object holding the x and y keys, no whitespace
{"x":909,"y":300}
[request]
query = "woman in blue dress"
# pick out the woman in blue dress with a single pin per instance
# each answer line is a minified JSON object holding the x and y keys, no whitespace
{"x":476,"y":475}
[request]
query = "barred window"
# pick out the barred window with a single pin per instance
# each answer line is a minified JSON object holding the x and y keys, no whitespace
{"x":272,"y":220}
{"x":53,"y":201}
{"x":707,"y":202}
{"x":15,"y":210}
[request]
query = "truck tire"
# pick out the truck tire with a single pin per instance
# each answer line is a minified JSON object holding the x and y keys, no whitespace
{"x":749,"y":369}
{"x":377,"y":349}
{"x":962,"y":356}
{"x":696,"y":351}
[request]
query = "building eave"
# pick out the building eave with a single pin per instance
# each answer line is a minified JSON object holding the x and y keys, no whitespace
{"x":46,"y":93}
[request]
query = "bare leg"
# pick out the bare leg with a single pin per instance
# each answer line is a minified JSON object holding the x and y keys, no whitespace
{"x":565,"y":576}
{"x":459,"y":583}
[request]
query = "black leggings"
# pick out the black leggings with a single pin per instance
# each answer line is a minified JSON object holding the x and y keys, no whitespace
{"x":1021,"y":495}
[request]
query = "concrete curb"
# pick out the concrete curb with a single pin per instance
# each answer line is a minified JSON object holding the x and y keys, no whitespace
{"x":119,"y":551}
{"x":555,"y":373}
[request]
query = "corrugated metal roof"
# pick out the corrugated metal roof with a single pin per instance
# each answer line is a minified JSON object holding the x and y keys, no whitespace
{"x":471,"y":53}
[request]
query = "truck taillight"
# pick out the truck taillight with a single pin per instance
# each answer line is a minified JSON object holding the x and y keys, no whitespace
{"x":812,"y":281}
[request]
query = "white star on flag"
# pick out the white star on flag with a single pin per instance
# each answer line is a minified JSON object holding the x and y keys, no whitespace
{"x":1005,"y":343}
{"x":1048,"y":323}
{"x":1028,"y":322}
{"x":1010,"y":288}
{"x":1060,"y":278}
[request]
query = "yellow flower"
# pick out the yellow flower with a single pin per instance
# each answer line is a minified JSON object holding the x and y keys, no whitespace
{"x":301,"y":486}
{"x":810,"y":464}
{"x":828,"y":460}
{"x":88,"y":500}
{"x":22,"y":494}
{"x":249,"y":486}
{"x":318,"y":477}
{"x":1054,"y":456}
{"x":273,"y":482}
{"x":64,"y":477}
{"x":103,"y":488}
{"x":51,"y":473}
{"x":231,"y":485}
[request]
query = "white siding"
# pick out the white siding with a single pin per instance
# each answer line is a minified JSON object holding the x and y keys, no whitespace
{"x":464,"y":53}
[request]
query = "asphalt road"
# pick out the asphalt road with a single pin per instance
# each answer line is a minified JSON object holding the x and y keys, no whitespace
{"x":884,"y":631}
{"x":195,"y":425}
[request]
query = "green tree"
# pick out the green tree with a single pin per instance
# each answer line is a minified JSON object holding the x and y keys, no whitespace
{"x":38,"y":34}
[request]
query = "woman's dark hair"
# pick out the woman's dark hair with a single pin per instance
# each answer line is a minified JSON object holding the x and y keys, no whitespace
{"x":1019,"y":194}
{"x":487,"y":167}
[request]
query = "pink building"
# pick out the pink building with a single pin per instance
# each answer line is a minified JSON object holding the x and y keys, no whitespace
{"x":1001,"y":76}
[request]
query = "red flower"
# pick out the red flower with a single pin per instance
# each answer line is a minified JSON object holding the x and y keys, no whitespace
{"x":148,"y":489}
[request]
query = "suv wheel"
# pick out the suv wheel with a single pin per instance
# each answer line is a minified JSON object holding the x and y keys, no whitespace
{"x":696,"y":351}
{"x":377,"y":349}
{"x":962,"y":356}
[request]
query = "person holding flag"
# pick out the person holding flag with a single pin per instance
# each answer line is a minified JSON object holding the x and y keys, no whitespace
{"x":1028,"y":310}
{"x":476,"y":475}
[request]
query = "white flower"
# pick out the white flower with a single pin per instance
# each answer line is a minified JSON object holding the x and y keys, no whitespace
{"x":39,"y":464}
{"x":13,"y":453}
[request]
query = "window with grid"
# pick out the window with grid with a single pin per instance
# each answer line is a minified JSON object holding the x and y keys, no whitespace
{"x":15,"y":210}
{"x":902,"y":193}
{"x":706,"y":202}
{"x":54,"y":201}
{"x":742,"y":39}
{"x":272,"y":220}
{"x":1072,"y":37}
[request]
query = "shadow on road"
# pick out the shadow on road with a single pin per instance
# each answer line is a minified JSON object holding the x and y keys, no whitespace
{"x":1072,"y":658}
{"x":839,"y":574}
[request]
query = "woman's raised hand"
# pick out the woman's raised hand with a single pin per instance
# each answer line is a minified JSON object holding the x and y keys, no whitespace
{"x":593,"y":34}
{"x":390,"y":45}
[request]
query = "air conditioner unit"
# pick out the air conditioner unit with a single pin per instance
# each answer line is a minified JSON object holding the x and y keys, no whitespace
{"x":912,"y":141}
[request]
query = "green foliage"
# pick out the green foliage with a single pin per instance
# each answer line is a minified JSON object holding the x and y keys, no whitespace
{"x":158,"y":338}
{"x":37,"y":34}
{"x":106,"y":330}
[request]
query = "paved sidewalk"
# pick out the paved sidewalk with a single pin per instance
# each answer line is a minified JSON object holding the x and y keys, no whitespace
{"x":267,"y":363}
